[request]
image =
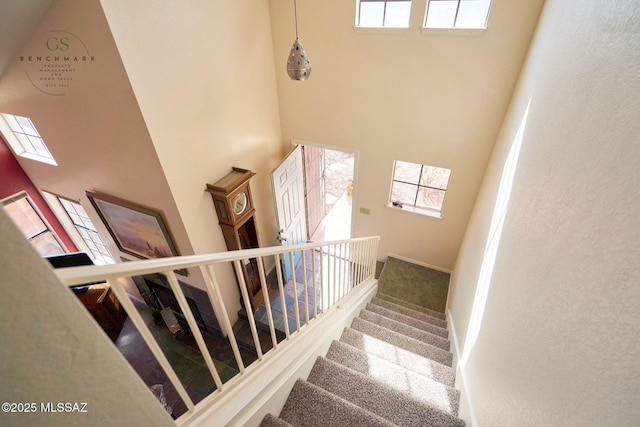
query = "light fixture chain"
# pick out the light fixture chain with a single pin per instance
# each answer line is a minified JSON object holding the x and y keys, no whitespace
{"x":295,"y":15}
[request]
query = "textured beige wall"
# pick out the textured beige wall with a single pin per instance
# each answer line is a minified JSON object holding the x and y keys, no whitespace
{"x":179,"y":93}
{"x":436,"y":97}
{"x":204,"y":79}
{"x":51,"y":350}
{"x":558,"y":340}
{"x":94,"y":130}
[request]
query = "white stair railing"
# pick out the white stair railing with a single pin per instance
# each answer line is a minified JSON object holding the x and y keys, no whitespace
{"x":335,"y":269}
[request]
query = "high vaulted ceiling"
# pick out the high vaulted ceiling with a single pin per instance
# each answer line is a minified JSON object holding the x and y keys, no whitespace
{"x":18,"y":20}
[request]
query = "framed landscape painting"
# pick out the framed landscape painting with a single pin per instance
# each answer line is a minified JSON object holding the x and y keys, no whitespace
{"x":137,"y":230}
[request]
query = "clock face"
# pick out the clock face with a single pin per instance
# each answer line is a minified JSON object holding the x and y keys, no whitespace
{"x":240,"y":203}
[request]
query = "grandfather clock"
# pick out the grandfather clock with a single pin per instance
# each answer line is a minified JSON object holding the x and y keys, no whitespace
{"x":236,"y":216}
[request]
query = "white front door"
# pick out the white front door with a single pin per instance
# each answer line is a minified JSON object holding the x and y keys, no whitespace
{"x":288,"y":191}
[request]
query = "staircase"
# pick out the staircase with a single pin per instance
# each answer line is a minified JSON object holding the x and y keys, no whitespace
{"x":392,"y":367}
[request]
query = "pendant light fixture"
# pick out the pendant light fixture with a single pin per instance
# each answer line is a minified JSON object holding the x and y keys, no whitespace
{"x":298,"y":64}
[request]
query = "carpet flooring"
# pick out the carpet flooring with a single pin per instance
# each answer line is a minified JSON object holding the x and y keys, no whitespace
{"x":422,"y":286}
{"x":391,"y":367}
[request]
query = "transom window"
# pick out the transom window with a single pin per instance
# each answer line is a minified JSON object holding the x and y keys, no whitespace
{"x":457,"y":13}
{"x":24,"y":139}
{"x":26,"y":215}
{"x":422,"y":187}
{"x":87,"y":231}
{"x":384,"y":13}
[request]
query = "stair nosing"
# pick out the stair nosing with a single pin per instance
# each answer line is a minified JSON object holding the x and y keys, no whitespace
{"x":407,"y":330}
{"x":420,"y":324}
{"x":411,"y":306}
{"x":419,"y":383}
{"x":425,"y":347}
{"x":437,"y":371}
{"x":324,"y":366}
{"x":412,"y":313}
{"x":287,"y":411}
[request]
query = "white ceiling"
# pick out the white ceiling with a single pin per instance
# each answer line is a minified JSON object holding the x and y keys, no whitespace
{"x":18,"y":20}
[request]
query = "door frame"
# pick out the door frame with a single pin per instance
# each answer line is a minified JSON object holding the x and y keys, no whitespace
{"x":354,"y":194}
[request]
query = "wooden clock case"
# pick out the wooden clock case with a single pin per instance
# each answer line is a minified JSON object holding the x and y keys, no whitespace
{"x":237,"y":221}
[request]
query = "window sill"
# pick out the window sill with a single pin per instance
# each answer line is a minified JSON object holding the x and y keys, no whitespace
{"x":428,"y":31}
{"x":414,"y":210}
{"x":381,"y":30}
{"x":38,"y":158}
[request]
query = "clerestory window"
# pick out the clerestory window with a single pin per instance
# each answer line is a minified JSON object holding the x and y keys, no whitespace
{"x":24,"y":139}
{"x":457,"y":13}
{"x":383,"y":13}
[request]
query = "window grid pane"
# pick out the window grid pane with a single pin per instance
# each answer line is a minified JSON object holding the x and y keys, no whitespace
{"x":404,"y":193}
{"x":381,"y":13}
{"x":26,"y":218}
{"x":407,"y":172}
{"x":83,"y":233}
{"x":80,"y":210}
{"x":419,"y":186}
{"x":38,"y":145}
{"x":29,"y":220}
{"x":457,"y":13}
{"x":12,"y":122}
{"x":86,"y":222}
{"x":26,"y":126}
{"x":430,"y":198}
{"x":26,"y":143}
{"x":28,"y":137}
{"x":397,"y":14}
{"x":473,"y":14}
{"x":95,"y":237}
{"x":66,"y":205}
{"x":87,"y":231}
{"x":46,"y":244}
{"x":104,"y":251}
{"x":75,"y":218}
{"x":371,"y":14}
{"x":92,"y":246}
{"x":435,"y":177}
{"x":441,"y":14}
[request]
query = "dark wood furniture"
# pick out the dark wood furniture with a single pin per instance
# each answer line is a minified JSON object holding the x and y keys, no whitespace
{"x":103,"y":306}
{"x":236,"y":216}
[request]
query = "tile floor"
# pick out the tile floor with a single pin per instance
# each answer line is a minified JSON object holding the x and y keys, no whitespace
{"x":313,"y":299}
{"x":184,"y":356}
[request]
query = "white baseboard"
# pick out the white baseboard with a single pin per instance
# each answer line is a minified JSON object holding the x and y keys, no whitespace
{"x":464,"y":389}
{"x":413,"y":261}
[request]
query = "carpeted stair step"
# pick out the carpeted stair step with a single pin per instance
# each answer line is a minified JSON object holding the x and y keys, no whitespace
{"x":397,"y":407}
{"x":401,"y":357}
{"x":409,"y":312}
{"x":309,"y":405}
{"x":387,"y":374}
{"x":429,"y":327}
{"x":270,"y":420}
{"x":425,"y":350}
{"x":404,"y":329}
{"x":412,"y":306}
